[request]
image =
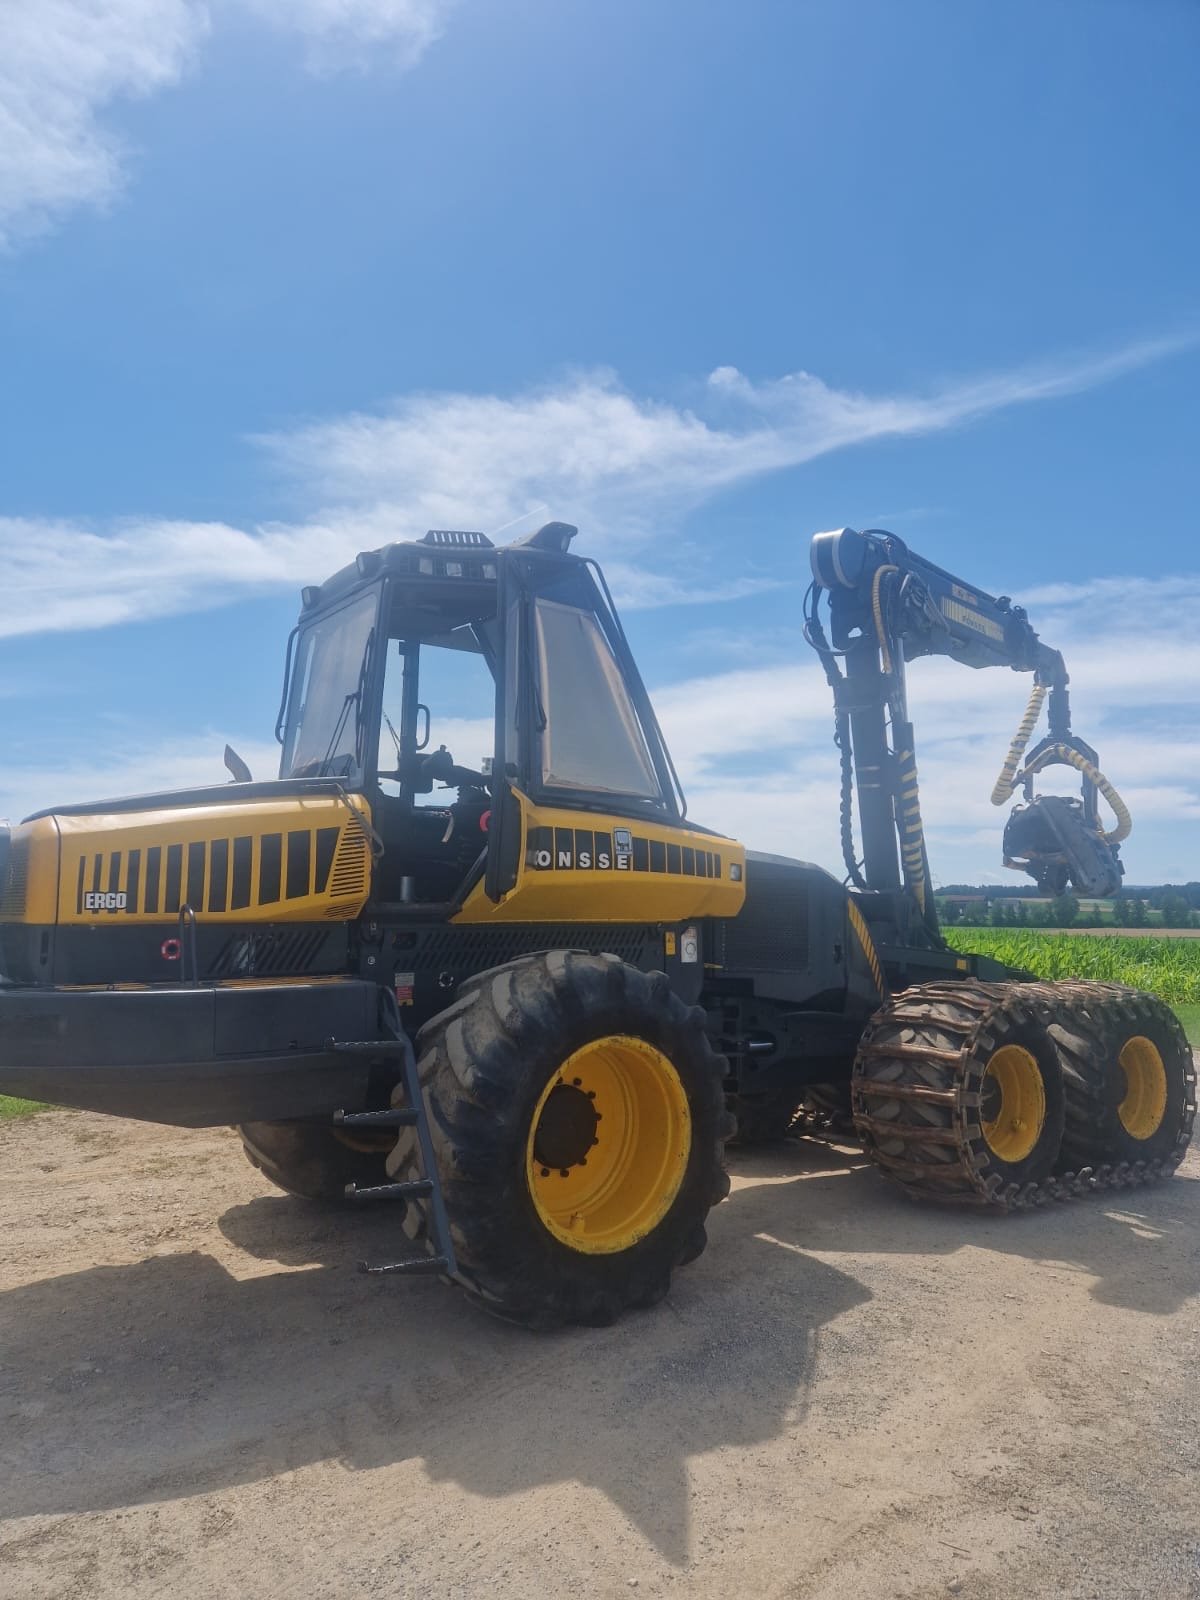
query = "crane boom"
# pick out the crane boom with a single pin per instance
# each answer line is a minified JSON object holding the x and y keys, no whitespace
{"x":887,"y":606}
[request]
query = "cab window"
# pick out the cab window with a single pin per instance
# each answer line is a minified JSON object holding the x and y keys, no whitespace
{"x":592,"y":740}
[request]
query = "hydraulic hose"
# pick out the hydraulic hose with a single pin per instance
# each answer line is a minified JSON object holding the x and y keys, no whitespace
{"x":1006,"y":783}
{"x":1009,"y":779}
{"x":912,"y":830}
{"x":877,"y":609}
{"x":841,"y":738}
{"x":814,"y":633}
{"x":1063,"y":752}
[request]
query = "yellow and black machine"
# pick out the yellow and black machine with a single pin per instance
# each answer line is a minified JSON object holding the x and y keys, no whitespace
{"x":527,"y":998}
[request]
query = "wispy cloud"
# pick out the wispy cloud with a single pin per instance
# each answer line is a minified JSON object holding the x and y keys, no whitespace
{"x":341,"y":33}
{"x":64,"y":63}
{"x":62,"y":576}
{"x":591,"y":448}
{"x":625,"y":467}
{"x":128,"y":766}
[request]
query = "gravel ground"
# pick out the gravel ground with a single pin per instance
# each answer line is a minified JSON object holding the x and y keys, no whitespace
{"x":846,"y":1396}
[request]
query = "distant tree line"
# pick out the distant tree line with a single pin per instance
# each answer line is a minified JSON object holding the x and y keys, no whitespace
{"x":1165,"y":906}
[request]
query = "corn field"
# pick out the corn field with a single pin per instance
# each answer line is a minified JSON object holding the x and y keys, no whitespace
{"x":1169,"y":968}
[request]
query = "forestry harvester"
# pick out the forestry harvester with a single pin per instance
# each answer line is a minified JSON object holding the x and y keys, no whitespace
{"x":525,"y":1000}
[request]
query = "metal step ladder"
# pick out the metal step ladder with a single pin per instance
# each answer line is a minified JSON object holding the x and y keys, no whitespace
{"x":425,"y":1190}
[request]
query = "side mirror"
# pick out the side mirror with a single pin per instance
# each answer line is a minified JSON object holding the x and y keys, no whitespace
{"x":236,"y":767}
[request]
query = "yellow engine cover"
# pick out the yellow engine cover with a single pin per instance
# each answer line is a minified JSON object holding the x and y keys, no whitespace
{"x":577,"y":866}
{"x":295,"y":860}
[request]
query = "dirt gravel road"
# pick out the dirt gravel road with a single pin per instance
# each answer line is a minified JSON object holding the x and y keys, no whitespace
{"x":846,"y":1396}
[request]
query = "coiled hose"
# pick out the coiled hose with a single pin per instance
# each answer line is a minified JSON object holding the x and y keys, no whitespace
{"x":1063,"y":752}
{"x":1006,"y":783}
{"x":1010,"y":779}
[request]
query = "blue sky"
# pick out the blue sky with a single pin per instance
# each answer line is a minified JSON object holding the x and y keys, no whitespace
{"x":283,"y":279}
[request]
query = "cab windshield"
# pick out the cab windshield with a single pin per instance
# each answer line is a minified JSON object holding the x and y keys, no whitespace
{"x":324,"y":733}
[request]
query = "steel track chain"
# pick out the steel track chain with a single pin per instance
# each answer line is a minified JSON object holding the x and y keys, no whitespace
{"x":959,"y":1010}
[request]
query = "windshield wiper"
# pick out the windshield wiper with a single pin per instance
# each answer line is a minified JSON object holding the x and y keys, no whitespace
{"x":351,"y":699}
{"x":354,"y":698}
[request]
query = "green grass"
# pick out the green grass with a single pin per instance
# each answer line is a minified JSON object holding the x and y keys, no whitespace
{"x":17,"y":1108}
{"x":1190,"y":1017}
{"x":1169,"y":968}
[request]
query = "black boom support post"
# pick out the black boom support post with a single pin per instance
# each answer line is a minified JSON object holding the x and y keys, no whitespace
{"x":864,"y":697}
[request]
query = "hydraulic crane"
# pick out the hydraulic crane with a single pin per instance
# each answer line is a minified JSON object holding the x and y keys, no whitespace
{"x":888,"y":606}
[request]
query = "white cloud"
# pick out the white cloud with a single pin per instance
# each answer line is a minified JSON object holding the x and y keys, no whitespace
{"x":63,"y":64}
{"x":60,"y":576}
{"x":625,"y":467}
{"x":801,"y":404}
{"x":127,"y":766}
{"x":342,"y":33}
{"x":591,"y":449}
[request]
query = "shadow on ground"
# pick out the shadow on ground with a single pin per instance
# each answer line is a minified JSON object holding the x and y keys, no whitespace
{"x":172,"y":1376}
{"x":128,"y":1384}
{"x":1138,"y":1244}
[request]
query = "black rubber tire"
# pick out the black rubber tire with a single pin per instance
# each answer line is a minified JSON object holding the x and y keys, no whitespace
{"x":484,"y":1063}
{"x":763,"y":1120}
{"x":308,"y":1160}
{"x":917,"y":1086}
{"x":1093,"y":1026}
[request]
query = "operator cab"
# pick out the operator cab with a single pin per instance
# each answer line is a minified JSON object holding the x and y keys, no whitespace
{"x":439,"y":677}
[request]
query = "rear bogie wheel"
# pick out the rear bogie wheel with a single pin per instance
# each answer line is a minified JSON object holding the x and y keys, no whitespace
{"x":313,"y":1160}
{"x":577,"y":1117}
{"x":957,"y":1091}
{"x":1129,"y":1077}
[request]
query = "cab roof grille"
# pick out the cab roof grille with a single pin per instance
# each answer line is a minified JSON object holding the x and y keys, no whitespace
{"x":458,"y":538}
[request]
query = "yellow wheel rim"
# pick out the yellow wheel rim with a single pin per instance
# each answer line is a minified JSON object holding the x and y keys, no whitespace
{"x":608,"y":1145}
{"x":1145,"y":1103}
{"x":1012,"y":1103}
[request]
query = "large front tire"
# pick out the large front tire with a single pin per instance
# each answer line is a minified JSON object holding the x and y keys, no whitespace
{"x":577,"y":1116}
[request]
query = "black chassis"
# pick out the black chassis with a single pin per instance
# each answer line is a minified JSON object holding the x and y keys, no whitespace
{"x":787,"y":987}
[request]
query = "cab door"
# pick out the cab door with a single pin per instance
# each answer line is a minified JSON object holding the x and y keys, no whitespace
{"x":574,"y":726}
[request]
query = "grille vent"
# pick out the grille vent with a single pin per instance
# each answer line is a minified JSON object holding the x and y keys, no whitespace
{"x":351,"y":868}
{"x":16,"y":881}
{"x":271,"y":953}
{"x":770,"y":934}
{"x":223,"y":875}
{"x":458,"y":537}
